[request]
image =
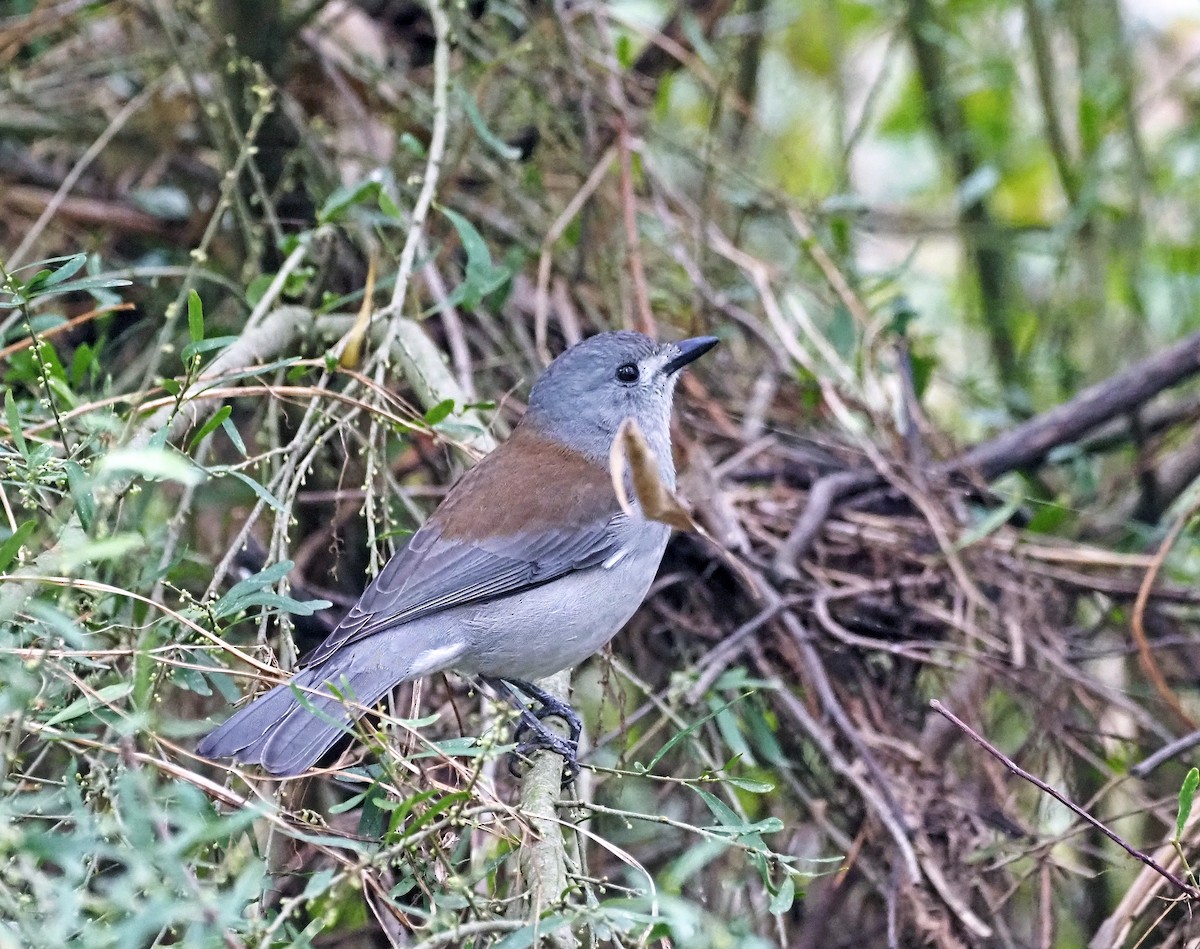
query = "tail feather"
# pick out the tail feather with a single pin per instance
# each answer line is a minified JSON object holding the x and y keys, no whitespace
{"x":287,"y":736}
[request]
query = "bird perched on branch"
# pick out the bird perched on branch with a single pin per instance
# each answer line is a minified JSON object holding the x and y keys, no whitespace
{"x":530,"y":565}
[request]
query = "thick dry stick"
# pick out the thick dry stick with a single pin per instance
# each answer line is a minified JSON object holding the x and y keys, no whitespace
{"x":1024,"y":446}
{"x":543,"y":854}
{"x":826,"y":492}
{"x":1030,"y":442}
{"x":1185,"y":888}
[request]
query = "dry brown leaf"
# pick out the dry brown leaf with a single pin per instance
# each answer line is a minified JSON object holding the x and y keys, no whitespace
{"x":658,"y":502}
{"x":352,"y":351}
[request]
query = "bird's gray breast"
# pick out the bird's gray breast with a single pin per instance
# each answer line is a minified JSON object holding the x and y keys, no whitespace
{"x":537,"y":632}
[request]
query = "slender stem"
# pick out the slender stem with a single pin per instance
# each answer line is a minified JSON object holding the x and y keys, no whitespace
{"x":1186,"y":889}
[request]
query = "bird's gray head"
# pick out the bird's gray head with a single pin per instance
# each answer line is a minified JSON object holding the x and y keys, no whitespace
{"x":584,"y":395}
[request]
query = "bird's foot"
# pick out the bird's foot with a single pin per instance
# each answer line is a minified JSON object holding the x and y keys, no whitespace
{"x":531,"y":732}
{"x":550,"y":706}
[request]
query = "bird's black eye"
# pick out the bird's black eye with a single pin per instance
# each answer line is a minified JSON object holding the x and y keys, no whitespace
{"x":627,"y":373}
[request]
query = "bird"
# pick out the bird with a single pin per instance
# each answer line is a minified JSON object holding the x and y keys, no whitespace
{"x":528,"y":566}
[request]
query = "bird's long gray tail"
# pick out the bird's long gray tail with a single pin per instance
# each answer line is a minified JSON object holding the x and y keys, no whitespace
{"x":288,"y":729}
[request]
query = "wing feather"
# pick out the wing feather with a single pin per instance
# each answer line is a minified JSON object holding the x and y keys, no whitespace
{"x":454,"y":560}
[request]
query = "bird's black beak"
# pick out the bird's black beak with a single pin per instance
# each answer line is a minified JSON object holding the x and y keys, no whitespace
{"x":689,"y":351}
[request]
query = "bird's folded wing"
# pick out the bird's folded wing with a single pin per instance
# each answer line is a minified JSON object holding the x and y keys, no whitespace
{"x":480,"y":546}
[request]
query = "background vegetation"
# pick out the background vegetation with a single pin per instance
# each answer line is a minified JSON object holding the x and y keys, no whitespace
{"x":273,"y":273}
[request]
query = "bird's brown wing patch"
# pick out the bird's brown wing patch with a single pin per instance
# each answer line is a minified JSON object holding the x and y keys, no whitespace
{"x":530,"y":512}
{"x":528,"y":485}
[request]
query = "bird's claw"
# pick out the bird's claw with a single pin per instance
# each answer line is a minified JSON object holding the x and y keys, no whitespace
{"x":532,"y":734}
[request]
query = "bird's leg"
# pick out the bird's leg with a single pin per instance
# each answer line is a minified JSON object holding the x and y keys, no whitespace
{"x":532,"y":734}
{"x":551,"y":705}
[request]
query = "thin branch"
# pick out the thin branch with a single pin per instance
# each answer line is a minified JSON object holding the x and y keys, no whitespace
{"x":1185,"y":888}
{"x":1165,"y":753}
{"x":1137,"y":624}
{"x":127,"y":111}
{"x":824,"y":494}
{"x":429,"y":180}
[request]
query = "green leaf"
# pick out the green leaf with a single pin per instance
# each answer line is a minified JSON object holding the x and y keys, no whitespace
{"x":195,"y":316}
{"x":439,"y":412}
{"x":191,"y":680}
{"x":535,"y":932}
{"x":412,"y":144}
{"x":38,"y":280}
{"x":346,"y":197}
{"x":152,"y":464}
{"x":108,"y":695}
{"x":783,"y":898}
{"x":473,"y":243}
{"x":680,"y":736}
{"x":158,"y":441}
{"x":258,"y":288}
{"x":14,"y":424}
{"x":486,"y":135}
{"x":71,"y":267}
{"x":482,"y":276}
{"x":107,"y":548}
{"x":624,"y":51}
{"x":81,"y":493}
{"x":271,"y":600}
{"x":273,"y":502}
{"x":82,"y":363}
{"x":402,"y":808}
{"x":464,"y":747}
{"x":388,"y":205}
{"x":990,"y":524}
{"x":349,"y":804}
{"x":255,"y":591}
{"x":1049,"y":517}
{"x":43,"y":263}
{"x":461,"y":431}
{"x":191,"y":350}
{"x":843,"y":333}
{"x":720,"y":810}
{"x":12,"y":546}
{"x":747,"y":784}
{"x":728,"y":822}
{"x":903,"y":315}
{"x":1187,"y":795}
{"x":55,"y":622}
{"x":318,"y":883}
{"x":218,"y":418}
{"x":84,"y":285}
{"x":235,"y":436}
{"x":691,"y":861}
{"x":373,"y":820}
{"x":266,"y":577}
